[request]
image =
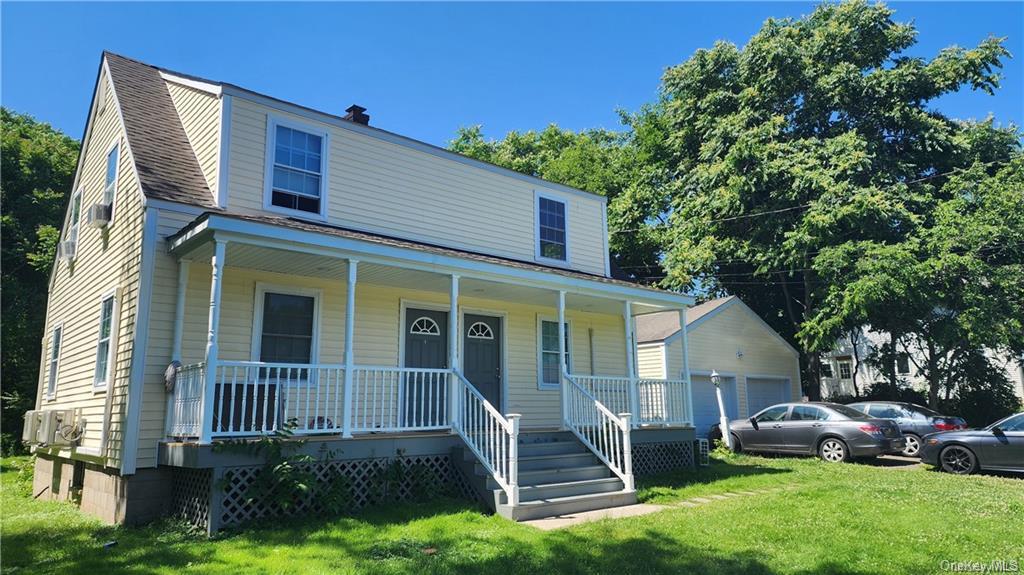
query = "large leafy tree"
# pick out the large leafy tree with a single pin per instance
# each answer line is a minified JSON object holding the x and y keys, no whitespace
{"x":36,"y":174}
{"x":813,"y":143}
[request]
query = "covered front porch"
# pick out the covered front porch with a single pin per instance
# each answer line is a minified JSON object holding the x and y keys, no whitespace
{"x":315,"y":333}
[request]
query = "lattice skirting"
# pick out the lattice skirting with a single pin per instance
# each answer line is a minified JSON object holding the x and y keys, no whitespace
{"x":357,"y":483}
{"x":651,"y":458}
{"x":191,"y":495}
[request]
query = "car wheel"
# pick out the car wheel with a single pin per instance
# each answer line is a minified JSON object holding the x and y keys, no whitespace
{"x":958,"y":459}
{"x":834,"y":450}
{"x":913,"y":448}
{"x":736,"y":446}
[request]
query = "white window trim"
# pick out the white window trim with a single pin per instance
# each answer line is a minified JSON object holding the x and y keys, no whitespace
{"x":540,"y":351}
{"x":74,"y":225}
{"x":268,"y":170}
{"x":849,"y":366}
{"x":97,"y":384}
{"x":257,"y":320}
{"x":53,"y":366}
{"x":116,"y":145}
{"x":537,"y":195}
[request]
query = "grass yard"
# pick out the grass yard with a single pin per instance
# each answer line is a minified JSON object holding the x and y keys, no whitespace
{"x":838,"y":519}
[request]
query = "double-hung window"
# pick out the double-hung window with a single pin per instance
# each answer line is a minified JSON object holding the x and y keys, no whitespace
{"x":552,"y":229}
{"x":74,"y":217}
{"x":104,"y":345}
{"x":51,"y":373}
{"x":110,"y":183}
{"x":845,"y":370}
{"x":296,"y":170}
{"x":550,"y":370}
{"x":287,"y":331}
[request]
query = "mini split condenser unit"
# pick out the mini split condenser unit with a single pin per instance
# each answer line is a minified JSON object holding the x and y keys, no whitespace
{"x":51,"y":427}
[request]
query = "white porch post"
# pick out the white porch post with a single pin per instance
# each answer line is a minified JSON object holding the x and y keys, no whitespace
{"x":688,"y":408}
{"x":563,"y":369}
{"x":179,"y":310}
{"x":350,"y":360}
{"x":634,"y":391}
{"x":453,"y":351}
{"x":179,"y":329}
{"x":209,"y":391}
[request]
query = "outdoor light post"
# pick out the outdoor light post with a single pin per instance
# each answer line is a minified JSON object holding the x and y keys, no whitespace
{"x":723,"y":420}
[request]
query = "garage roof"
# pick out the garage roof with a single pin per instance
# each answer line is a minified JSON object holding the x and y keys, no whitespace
{"x":655,"y":327}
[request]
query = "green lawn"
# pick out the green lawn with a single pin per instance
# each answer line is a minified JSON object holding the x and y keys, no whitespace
{"x":836,"y":519}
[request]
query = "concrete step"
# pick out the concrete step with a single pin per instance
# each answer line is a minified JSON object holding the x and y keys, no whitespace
{"x":550,"y":448}
{"x":543,"y":476}
{"x":566,"y":489}
{"x":565,"y":505}
{"x":556,"y":461}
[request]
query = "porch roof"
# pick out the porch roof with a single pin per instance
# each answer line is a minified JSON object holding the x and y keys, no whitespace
{"x":281,"y":232}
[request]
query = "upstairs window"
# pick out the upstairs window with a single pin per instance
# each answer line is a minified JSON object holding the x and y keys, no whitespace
{"x":552,"y":240}
{"x":74,"y":217}
{"x":110,"y":184}
{"x":104,"y":346}
{"x":297,"y":169}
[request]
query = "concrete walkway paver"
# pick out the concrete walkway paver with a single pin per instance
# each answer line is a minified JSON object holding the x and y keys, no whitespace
{"x":562,"y":521}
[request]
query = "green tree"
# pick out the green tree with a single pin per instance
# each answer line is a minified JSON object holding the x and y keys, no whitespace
{"x":810,"y":145}
{"x":36,"y":174}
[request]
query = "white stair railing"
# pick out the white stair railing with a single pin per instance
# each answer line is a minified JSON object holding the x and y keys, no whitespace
{"x":492,"y":438}
{"x":606,"y":434}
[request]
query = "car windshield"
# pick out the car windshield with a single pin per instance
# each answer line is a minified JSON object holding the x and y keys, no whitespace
{"x":847,"y":411}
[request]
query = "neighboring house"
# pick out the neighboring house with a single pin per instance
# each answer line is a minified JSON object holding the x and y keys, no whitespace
{"x":758,"y":367}
{"x":847,"y":366}
{"x":231,"y":262}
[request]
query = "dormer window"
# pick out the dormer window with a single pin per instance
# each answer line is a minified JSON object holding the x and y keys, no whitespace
{"x":552,"y":229}
{"x":296,"y":170}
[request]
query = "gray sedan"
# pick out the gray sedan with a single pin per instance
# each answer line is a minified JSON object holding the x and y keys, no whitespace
{"x":998,"y":447}
{"x":832,"y":431}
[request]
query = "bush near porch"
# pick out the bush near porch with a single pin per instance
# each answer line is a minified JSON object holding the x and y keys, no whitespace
{"x":841,"y":519}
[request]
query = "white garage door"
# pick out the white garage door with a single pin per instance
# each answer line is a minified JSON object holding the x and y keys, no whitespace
{"x":705,"y":403}
{"x":763,"y":392}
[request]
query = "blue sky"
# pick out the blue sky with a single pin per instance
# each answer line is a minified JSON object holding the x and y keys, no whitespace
{"x":424,"y":69}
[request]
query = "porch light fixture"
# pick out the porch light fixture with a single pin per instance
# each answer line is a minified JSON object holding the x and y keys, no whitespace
{"x":723,"y":420}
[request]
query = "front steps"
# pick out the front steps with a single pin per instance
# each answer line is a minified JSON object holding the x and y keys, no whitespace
{"x":558,"y":475}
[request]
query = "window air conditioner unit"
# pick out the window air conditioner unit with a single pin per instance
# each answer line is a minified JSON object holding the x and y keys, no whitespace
{"x":98,"y":215}
{"x":57,"y":427}
{"x":30,"y":433}
{"x":66,"y":249}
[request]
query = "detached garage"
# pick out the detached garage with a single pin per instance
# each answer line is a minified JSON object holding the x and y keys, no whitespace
{"x":757,"y":366}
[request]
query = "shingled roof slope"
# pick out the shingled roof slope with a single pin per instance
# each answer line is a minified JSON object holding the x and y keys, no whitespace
{"x":167,"y":166}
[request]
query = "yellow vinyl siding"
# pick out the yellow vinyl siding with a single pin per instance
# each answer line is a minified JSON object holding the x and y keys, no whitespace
{"x":651,"y":361}
{"x":200,"y":116}
{"x":107,"y":260}
{"x":714,"y":343}
{"x":388,"y":188}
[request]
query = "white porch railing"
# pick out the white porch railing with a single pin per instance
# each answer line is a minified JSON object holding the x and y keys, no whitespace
{"x":606,"y":434}
{"x":658,"y":401}
{"x":185,"y":405}
{"x":492,"y":438}
{"x":399,"y":399}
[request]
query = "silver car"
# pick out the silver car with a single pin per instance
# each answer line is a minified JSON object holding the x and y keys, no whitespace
{"x":832,"y":431}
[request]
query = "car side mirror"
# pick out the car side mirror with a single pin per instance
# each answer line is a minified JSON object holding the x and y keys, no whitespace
{"x":997,"y":431}
{"x":753,"y":422}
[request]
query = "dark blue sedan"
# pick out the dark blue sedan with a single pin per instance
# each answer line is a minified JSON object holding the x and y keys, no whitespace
{"x":998,"y":447}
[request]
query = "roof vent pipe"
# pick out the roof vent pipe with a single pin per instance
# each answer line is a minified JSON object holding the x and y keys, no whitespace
{"x":357,"y":114}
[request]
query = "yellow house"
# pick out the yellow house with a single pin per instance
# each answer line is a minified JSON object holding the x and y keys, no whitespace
{"x":234,"y":265}
{"x":758,"y":368}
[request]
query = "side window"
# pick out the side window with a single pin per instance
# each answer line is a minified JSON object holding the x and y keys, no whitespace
{"x":74,"y":217}
{"x":826,"y":370}
{"x":859,"y":407}
{"x":549,"y":368}
{"x":776,"y":413}
{"x":552,"y":229}
{"x":903,"y":364}
{"x":807,"y":413}
{"x":110,"y":182}
{"x":845,"y":371}
{"x":104,"y":345}
{"x":884,"y":411}
{"x":55,"y":344}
